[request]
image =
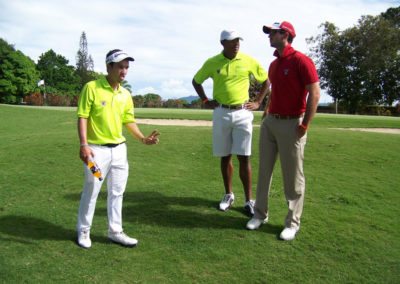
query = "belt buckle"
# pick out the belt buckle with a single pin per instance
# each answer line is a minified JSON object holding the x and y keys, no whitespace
{"x":232,"y":107}
{"x":277,"y":116}
{"x":236,"y":107}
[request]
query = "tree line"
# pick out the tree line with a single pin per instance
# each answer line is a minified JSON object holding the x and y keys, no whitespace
{"x":359,"y":67}
{"x":53,"y":81}
{"x":21,"y":78}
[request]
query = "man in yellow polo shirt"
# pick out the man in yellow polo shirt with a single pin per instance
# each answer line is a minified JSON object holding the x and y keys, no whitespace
{"x":104,"y":107}
{"x":232,"y":116}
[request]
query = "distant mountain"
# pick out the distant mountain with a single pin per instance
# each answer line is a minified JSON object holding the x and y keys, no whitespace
{"x":189,"y":99}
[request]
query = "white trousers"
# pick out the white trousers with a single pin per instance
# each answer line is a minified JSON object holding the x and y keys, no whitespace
{"x":113,"y":164}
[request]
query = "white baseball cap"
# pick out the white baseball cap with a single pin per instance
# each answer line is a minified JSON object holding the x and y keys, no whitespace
{"x":230,"y":35}
{"x":118,"y":57}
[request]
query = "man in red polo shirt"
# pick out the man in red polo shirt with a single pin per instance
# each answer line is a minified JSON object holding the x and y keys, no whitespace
{"x":290,"y":109}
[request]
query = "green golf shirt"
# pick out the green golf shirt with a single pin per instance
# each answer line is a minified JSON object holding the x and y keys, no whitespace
{"x":231,"y":77}
{"x":106,"y":111}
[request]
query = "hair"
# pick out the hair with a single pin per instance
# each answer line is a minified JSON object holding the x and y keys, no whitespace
{"x":112,"y":52}
{"x":290,"y":37}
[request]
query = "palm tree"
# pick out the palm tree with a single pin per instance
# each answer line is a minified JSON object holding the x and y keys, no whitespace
{"x":126,"y":85}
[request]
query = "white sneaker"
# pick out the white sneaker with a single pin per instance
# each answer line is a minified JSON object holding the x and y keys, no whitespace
{"x":84,"y":239}
{"x":227,"y":201}
{"x":249,"y":207}
{"x":123,"y":239}
{"x":289,"y":234}
{"x":255,"y":223}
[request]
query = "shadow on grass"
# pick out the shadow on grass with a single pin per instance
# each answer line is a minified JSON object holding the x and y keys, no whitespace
{"x":27,"y":230}
{"x":154,"y":208}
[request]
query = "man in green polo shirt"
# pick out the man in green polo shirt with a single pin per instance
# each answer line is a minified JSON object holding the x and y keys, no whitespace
{"x":103,"y":107}
{"x":232,"y":117}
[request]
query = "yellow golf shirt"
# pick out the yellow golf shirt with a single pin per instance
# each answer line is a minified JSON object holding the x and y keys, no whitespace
{"x":106,"y":111}
{"x":231,"y":77}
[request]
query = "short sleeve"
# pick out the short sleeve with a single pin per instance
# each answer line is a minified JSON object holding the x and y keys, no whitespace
{"x":308,"y":71}
{"x":259,"y":73}
{"x":203,"y":74}
{"x":85,"y":102}
{"x":129,"y":115}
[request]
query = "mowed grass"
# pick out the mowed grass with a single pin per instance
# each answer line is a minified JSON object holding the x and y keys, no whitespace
{"x":349,"y":233}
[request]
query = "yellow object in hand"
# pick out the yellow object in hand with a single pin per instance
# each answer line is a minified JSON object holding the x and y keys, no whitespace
{"x":95,"y":169}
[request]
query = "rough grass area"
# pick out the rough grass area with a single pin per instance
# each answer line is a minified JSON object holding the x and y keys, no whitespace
{"x":349,"y":230}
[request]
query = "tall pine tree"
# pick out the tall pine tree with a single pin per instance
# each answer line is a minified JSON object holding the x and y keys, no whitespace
{"x":84,"y":61}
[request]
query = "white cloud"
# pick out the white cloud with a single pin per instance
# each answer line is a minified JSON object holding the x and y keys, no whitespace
{"x":174,"y":88}
{"x":169,"y":40}
{"x":145,"y":91}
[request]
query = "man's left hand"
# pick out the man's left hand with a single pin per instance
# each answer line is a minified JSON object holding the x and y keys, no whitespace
{"x":152,"y":138}
{"x":252,"y":105}
{"x":301,"y":131}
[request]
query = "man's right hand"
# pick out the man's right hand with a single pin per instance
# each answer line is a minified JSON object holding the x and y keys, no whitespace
{"x":85,"y":153}
{"x":211,"y":104}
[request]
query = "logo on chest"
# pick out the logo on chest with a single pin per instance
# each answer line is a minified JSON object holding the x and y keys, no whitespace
{"x":286,"y":71}
{"x":103,"y":103}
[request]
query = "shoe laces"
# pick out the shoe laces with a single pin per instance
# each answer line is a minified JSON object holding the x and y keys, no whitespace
{"x":121,"y":235}
{"x":85,"y":234}
{"x":227,"y":197}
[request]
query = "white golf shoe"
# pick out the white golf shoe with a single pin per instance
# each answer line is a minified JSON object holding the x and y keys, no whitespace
{"x":122,"y":239}
{"x":84,"y":239}
{"x":289,"y":234}
{"x":227,"y":201}
{"x":256,"y":223}
{"x":249,"y":207}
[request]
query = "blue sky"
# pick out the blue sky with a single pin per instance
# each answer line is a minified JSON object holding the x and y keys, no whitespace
{"x":169,"y":40}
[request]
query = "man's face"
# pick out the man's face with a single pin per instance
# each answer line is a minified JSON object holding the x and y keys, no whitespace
{"x":231,"y":46}
{"x":118,"y":70}
{"x":277,"y":38}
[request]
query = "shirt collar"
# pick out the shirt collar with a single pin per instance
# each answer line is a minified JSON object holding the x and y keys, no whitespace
{"x":288,"y":50}
{"x":237,"y":57}
{"x":105,"y":84}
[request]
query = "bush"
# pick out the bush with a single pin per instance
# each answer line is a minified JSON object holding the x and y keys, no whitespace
{"x":11,"y":99}
{"x":380,"y":110}
{"x":37,"y":99}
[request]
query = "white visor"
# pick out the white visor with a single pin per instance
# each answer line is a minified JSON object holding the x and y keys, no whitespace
{"x":118,"y":57}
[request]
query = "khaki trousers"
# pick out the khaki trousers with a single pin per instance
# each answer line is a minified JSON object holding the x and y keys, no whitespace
{"x":280,"y":136}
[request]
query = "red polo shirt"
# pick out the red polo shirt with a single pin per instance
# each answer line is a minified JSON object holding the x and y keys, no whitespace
{"x":289,"y":74}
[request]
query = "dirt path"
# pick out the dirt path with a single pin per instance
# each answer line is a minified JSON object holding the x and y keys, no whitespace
{"x":178,"y":122}
{"x":378,"y":130}
{"x":188,"y":122}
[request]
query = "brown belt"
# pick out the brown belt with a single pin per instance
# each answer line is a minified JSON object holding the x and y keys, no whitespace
{"x":232,"y":106}
{"x":278,"y":116}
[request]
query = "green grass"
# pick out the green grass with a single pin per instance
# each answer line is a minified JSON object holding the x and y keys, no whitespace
{"x":324,"y":120}
{"x":349,"y":234}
